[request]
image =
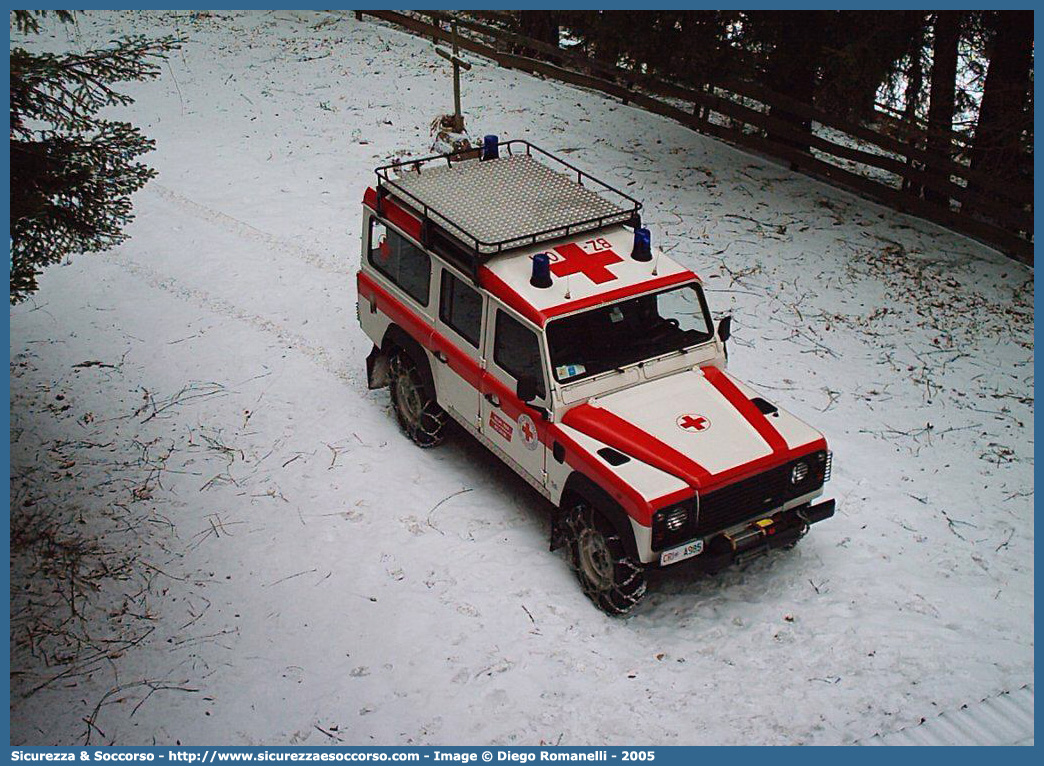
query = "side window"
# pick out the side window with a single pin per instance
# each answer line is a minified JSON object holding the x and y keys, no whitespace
{"x":402,"y":262}
{"x":516,"y":350}
{"x":460,"y":307}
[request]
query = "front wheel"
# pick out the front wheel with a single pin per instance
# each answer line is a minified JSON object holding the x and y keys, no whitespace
{"x":611,"y":578}
{"x":420,"y":416}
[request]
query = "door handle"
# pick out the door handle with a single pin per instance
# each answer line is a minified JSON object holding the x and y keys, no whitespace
{"x":493,"y":399}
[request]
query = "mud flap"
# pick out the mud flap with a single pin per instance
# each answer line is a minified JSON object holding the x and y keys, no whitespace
{"x":377,"y":374}
{"x":559,"y":531}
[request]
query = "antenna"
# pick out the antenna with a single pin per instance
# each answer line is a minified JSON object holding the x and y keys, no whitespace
{"x":567,"y":288}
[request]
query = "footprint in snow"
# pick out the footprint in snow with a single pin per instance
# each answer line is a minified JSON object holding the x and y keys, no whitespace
{"x":394,"y":572}
{"x":468,"y":610}
{"x":462,"y":676}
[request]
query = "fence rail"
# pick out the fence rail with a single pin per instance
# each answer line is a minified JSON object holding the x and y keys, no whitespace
{"x":745,"y":114}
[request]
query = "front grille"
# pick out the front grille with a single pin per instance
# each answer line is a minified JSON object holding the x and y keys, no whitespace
{"x":759,"y":494}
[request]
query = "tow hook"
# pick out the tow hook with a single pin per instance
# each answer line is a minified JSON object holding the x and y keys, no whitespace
{"x":816,"y":513}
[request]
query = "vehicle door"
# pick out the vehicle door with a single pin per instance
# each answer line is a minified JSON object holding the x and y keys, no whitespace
{"x":457,"y":346}
{"x":513,"y":351}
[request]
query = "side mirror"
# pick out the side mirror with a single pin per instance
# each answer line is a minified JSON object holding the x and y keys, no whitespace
{"x":528,"y":388}
{"x":725,"y":328}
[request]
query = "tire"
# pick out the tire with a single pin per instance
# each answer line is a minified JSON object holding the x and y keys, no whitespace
{"x":613,"y":580}
{"x":419,"y":415}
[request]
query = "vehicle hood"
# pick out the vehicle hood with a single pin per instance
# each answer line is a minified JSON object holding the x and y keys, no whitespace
{"x":701,"y":425}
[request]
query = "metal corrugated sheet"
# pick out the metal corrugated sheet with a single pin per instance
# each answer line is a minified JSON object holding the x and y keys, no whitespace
{"x":510,"y":201}
{"x":1006,"y":719}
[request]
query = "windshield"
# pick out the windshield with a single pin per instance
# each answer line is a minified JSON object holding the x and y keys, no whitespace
{"x":613,"y":336}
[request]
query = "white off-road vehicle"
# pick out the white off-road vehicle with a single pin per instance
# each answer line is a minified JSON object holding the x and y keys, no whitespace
{"x":520,"y":297}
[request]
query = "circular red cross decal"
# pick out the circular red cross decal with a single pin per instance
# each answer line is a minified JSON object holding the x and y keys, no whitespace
{"x":693,"y":423}
{"x":528,"y":429}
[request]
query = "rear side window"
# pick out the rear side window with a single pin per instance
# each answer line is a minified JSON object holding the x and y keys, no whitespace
{"x":401,"y":261}
{"x":460,"y":307}
{"x":516,"y":350}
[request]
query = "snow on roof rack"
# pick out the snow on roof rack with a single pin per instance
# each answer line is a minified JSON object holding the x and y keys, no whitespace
{"x":493,"y":205}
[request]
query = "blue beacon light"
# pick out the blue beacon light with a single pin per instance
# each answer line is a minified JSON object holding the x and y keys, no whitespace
{"x":490,"y":147}
{"x":642,"y":245}
{"x":541,"y":271}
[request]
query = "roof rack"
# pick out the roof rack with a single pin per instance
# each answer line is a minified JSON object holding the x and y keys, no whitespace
{"x":494,"y":205}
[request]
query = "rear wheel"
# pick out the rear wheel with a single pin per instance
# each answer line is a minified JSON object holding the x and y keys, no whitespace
{"x":420,"y":416}
{"x":611,"y":578}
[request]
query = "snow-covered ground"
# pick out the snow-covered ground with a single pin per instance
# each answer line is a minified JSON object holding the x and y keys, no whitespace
{"x":220,"y":536}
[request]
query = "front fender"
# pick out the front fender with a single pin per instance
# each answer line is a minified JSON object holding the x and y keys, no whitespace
{"x":580,"y":487}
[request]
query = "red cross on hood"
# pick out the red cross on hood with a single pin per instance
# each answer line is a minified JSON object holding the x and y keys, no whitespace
{"x":643,"y":422}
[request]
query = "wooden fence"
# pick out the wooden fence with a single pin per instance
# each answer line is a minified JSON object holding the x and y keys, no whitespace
{"x":869,"y":161}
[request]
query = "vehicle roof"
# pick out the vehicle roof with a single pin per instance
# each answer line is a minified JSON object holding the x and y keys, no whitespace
{"x":504,"y":203}
{"x":587,"y":270}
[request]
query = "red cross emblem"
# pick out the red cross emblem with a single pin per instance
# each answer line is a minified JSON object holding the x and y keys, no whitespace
{"x":693,"y":423}
{"x":574,"y":260}
{"x":529,"y":431}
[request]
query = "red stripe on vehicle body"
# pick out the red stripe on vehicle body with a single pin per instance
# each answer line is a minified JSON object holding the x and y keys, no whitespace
{"x":415,"y":326}
{"x":576,"y":456}
{"x":461,"y":363}
{"x":671,"y":498}
{"x":781,"y":453}
{"x":579,"y":459}
{"x":746,"y":408}
{"x":762,"y":464}
{"x":410,"y":224}
{"x":509,"y":297}
{"x":618,"y":294}
{"x":393,"y":213}
{"x":496,"y":286}
{"x":420,"y":330}
{"x":615,"y":431}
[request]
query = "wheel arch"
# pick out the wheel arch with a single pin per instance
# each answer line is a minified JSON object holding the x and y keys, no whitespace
{"x":578,"y":486}
{"x":396,"y":338}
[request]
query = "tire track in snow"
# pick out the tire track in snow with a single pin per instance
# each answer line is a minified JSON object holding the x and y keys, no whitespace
{"x":245,"y":230}
{"x":204,"y":300}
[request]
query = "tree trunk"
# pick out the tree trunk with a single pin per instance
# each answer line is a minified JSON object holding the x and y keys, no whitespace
{"x":912,"y":97}
{"x":943,"y":95}
{"x":792,"y":68}
{"x":1003,"y":117}
{"x":860,"y":49}
{"x":540,"y":25}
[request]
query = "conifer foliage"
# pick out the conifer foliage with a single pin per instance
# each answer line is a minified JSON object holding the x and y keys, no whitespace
{"x":72,"y":171}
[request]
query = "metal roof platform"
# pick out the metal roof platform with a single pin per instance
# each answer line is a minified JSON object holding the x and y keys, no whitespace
{"x":522,"y":197}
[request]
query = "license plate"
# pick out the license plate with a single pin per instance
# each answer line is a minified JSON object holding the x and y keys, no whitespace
{"x":682,"y":552}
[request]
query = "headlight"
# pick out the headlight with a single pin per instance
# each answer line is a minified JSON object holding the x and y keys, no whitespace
{"x":675,"y":519}
{"x":673,"y":525}
{"x":798,"y":472}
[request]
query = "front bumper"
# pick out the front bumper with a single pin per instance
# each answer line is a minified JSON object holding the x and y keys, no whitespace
{"x":747,"y":541}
